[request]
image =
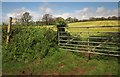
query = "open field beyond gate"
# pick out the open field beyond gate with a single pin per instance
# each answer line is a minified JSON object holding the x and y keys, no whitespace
{"x":25,"y":54}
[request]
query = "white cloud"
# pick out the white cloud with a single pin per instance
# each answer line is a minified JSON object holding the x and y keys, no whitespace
{"x":35,"y":16}
{"x":87,"y":12}
{"x":45,"y":10}
{"x":85,"y":9}
{"x":100,"y":10}
{"x":80,"y":14}
{"x":19,"y":12}
{"x":64,"y":15}
{"x":84,"y":13}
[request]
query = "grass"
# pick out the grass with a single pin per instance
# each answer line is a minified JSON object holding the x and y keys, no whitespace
{"x":74,"y":31}
{"x":59,"y":61}
{"x":62,"y":64}
{"x":96,"y":23}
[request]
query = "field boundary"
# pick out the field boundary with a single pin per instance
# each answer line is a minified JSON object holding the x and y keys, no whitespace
{"x":106,"y":43}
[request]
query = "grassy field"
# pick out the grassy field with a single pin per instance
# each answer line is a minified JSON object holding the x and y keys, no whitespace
{"x":23,"y":55}
{"x":75,"y":31}
{"x":96,"y":23}
{"x":89,"y":23}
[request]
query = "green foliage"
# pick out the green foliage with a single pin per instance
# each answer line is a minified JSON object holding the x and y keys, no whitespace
{"x":61,"y":62}
{"x":59,"y":19}
{"x":71,"y":20}
{"x":4,"y":33}
{"x":26,"y":17}
{"x":4,"y":24}
{"x":29,"y":44}
{"x":61,"y":24}
{"x":48,"y":19}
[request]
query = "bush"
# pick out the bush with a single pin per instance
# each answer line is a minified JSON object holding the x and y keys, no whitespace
{"x":4,"y":33}
{"x":29,"y":44}
{"x":61,"y":24}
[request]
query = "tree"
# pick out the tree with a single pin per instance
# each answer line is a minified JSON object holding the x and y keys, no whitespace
{"x":60,"y":22}
{"x":52,"y":21}
{"x":59,"y":19}
{"x":75,"y":20}
{"x":38,"y":23}
{"x":4,"y":24}
{"x":47,"y":18}
{"x":102,"y":18}
{"x":114,"y":18}
{"x":69,"y":19}
{"x":92,"y":18}
{"x":31,"y":23}
{"x":26,"y":17}
{"x":119,"y":18}
{"x":109,"y":18}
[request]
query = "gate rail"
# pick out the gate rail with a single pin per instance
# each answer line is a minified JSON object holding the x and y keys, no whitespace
{"x":104,"y":42}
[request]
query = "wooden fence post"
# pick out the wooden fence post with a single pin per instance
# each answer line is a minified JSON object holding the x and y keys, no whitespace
{"x":8,"y":30}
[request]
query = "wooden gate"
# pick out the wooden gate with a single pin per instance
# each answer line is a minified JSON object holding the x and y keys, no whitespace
{"x":91,"y":39}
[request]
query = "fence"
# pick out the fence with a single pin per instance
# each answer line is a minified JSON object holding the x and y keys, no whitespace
{"x":102,"y":40}
{"x":87,"y":39}
{"x":10,"y":21}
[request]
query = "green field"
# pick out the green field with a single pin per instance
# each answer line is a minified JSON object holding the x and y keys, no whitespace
{"x":94,"y":31}
{"x":93,"y":23}
{"x":96,"y":23}
{"x":26,"y":52}
{"x":89,"y":23}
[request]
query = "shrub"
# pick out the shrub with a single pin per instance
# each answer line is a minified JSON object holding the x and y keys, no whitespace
{"x":29,"y":44}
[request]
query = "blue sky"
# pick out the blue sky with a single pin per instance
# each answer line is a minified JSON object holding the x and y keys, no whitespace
{"x":80,"y":10}
{"x":60,"y":0}
{"x":10,"y":6}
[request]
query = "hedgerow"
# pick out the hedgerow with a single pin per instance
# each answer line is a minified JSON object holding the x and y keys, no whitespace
{"x":28,"y":44}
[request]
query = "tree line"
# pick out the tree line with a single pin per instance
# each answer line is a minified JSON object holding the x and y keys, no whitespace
{"x":48,"y":19}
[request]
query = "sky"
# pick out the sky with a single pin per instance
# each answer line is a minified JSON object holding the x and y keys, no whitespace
{"x":80,"y":10}
{"x":60,"y":0}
